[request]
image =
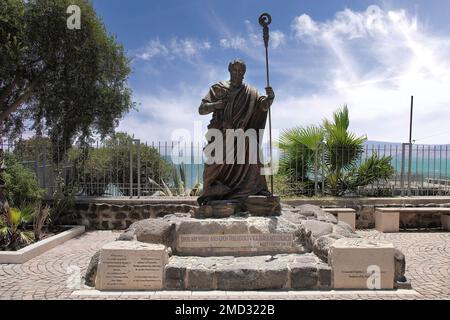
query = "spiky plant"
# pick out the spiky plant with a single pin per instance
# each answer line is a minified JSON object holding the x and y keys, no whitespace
{"x":13,"y":234}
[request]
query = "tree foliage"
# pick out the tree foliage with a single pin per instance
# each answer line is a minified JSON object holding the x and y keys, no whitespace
{"x":70,"y":83}
{"x":22,"y":186}
{"x":109,"y":163}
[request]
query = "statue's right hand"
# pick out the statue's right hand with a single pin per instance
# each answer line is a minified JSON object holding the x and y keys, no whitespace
{"x":220,"y":105}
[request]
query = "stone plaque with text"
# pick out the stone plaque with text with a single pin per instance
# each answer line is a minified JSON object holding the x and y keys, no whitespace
{"x":235,"y":242}
{"x":131,"y":265}
{"x":362,"y":264}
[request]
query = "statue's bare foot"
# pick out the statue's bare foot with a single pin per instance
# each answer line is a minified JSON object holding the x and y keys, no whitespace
{"x":264,"y":193}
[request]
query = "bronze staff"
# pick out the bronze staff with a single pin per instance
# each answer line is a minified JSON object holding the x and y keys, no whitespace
{"x":264,"y":20}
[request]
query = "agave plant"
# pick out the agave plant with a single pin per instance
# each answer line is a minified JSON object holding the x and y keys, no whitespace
{"x":13,"y":234}
{"x":179,"y":185}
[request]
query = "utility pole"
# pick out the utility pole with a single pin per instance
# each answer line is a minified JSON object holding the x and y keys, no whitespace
{"x":411,"y":119}
{"x":410,"y":145}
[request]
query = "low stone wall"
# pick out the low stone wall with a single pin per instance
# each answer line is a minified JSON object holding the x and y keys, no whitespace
{"x":110,"y":214}
{"x":365,"y":209}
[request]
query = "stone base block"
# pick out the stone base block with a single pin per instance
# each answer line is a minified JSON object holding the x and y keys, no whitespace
{"x":387,"y":221}
{"x":292,"y":271}
{"x":349,"y":218}
{"x":362,"y":264}
{"x":131,"y":265}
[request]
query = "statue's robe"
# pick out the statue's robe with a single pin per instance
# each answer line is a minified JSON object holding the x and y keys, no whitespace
{"x":244,"y":110}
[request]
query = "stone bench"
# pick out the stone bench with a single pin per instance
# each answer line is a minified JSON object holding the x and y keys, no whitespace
{"x":347,"y":215}
{"x":388,"y":219}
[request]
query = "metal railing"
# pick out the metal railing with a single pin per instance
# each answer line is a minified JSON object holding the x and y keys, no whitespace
{"x":417,"y":170}
{"x":137,"y":169}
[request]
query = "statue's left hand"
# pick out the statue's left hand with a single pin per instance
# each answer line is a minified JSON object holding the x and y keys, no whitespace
{"x":270,"y":93}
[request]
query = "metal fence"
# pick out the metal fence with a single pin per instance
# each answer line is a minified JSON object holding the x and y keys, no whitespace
{"x":137,"y":169}
{"x":415,"y":170}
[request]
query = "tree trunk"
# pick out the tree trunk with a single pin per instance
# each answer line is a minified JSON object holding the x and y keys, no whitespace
{"x":4,"y":207}
{"x":16,"y":104}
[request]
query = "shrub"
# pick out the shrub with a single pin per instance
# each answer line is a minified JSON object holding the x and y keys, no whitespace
{"x":22,"y":187}
{"x":13,"y":234}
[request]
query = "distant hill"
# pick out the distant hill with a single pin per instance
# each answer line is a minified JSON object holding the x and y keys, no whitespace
{"x":385,"y":143}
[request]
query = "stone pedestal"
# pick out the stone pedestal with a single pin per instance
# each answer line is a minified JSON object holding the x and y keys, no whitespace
{"x":445,"y":222}
{"x":348,"y":217}
{"x":362,"y":264}
{"x":131,"y":265}
{"x":386,"y":221}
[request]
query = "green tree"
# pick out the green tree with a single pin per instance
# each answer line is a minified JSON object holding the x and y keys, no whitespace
{"x":110,"y":164}
{"x":73,"y":81}
{"x":340,"y":151}
{"x":65,"y":83}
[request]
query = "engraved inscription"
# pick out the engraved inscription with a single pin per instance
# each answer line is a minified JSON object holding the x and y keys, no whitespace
{"x":235,"y":240}
{"x":131,"y":269}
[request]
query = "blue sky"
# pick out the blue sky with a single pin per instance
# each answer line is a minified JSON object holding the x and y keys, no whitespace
{"x":371,"y":55}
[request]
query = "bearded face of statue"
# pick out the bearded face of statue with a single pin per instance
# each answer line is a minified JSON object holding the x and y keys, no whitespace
{"x":237,"y":72}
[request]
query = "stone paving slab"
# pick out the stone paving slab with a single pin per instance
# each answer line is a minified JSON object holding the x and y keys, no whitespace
{"x":57,"y":274}
{"x":256,"y":294}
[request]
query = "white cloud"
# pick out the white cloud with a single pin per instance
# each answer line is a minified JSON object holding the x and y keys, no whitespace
{"x":253,"y":39}
{"x":184,"y":48}
{"x":350,"y":24}
{"x":154,"y":48}
{"x":233,"y":43}
{"x":374,"y":61}
{"x":278,"y":39}
{"x":162,"y":113}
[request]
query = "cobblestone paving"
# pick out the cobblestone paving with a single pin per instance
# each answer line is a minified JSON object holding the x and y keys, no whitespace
{"x":46,"y":276}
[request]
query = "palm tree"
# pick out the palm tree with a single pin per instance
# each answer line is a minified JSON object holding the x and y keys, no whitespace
{"x":298,"y":147}
{"x":342,"y":148}
{"x":340,"y":151}
{"x":12,"y":228}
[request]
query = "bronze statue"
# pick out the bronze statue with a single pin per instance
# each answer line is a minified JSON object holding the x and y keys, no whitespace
{"x":235,"y":105}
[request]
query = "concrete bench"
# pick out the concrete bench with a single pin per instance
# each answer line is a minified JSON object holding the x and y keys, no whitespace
{"x":388,"y":219}
{"x":347,"y":215}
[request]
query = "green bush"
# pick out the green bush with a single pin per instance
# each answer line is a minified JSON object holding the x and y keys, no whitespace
{"x":22,"y":186}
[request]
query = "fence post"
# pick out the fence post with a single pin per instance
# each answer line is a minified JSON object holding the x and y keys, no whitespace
{"x":409,"y":167}
{"x":316,"y":169}
{"x":402,"y":174}
{"x":36,"y":161}
{"x":44,"y":165}
{"x":138,"y":167}
{"x":131,"y":169}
